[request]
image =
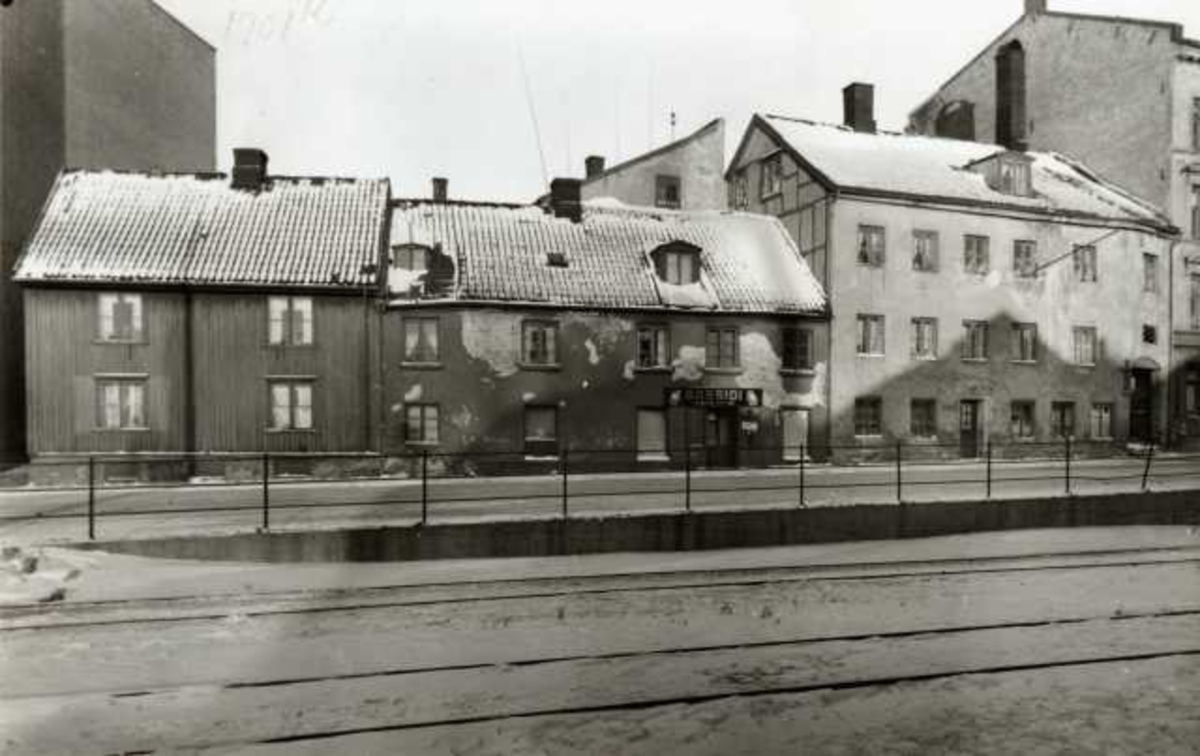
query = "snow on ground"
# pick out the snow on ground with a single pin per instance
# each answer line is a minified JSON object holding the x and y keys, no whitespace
{"x":29,"y":576}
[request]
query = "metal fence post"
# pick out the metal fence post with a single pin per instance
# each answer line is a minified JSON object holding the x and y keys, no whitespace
{"x":424,"y":486}
{"x":1146,"y":472}
{"x":899,"y":497}
{"x":266,"y":491}
{"x":565,"y":464}
{"x":801,"y":474}
{"x":91,"y":515}
{"x":989,"y":469}
{"x":1067,"y":468}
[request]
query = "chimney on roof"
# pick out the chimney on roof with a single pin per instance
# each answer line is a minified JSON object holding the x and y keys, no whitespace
{"x":565,"y":199}
{"x":1035,"y":7}
{"x":593,"y":165}
{"x":858,"y":105}
{"x":441,"y":187}
{"x":249,"y":169}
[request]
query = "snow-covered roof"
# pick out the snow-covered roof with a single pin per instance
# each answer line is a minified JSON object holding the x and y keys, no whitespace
{"x":748,"y":263}
{"x":937,"y":168}
{"x":101,"y":226}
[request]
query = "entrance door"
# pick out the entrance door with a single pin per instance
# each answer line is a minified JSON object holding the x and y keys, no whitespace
{"x":968,"y":428}
{"x":720,"y":437}
{"x":1141,"y":404}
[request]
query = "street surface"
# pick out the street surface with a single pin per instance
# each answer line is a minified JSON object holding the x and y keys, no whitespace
{"x":146,"y":511}
{"x":1030,"y":642}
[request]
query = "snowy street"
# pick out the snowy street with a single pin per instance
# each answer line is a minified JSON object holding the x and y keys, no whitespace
{"x":1023,"y":642}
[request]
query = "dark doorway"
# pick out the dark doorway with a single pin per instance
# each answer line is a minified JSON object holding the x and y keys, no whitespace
{"x":968,"y":428}
{"x":720,"y":437}
{"x":1141,"y":407}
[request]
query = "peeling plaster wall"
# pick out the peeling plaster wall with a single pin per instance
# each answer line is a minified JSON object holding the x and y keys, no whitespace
{"x":482,"y":389}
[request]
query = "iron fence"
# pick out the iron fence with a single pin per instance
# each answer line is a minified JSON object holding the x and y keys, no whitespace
{"x":273,"y":486}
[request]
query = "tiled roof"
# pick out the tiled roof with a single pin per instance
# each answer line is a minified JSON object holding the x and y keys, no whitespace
{"x":748,"y":262}
{"x":195,"y":229}
{"x":937,"y":168}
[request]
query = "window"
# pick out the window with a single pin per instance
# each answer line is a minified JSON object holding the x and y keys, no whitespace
{"x":1024,"y":342}
{"x":1149,"y":334}
{"x":291,"y":405}
{"x":870,"y":334}
{"x":924,"y":338}
{"x":654,"y":347}
{"x":924,"y":418}
{"x":421,"y":423}
{"x":679,"y":266}
{"x":771,"y":181}
{"x":975,"y":340}
{"x":1102,"y":420}
{"x":1015,"y":177}
{"x":121,"y":404}
{"x":797,"y":349}
{"x":421,"y":340}
{"x":795,"y":432}
{"x":868,"y":416}
{"x":1196,"y":123}
{"x":410,"y":257}
{"x":1084,"y":258}
{"x":1194,"y":299}
{"x":976,"y":254}
{"x":739,"y":196}
{"x":925,"y":251}
{"x":1196,"y":212}
{"x":1085,"y":345}
{"x":1191,"y":393}
{"x":1062,"y":419}
{"x":871,"y":246}
{"x":120,"y":317}
{"x":1025,"y":258}
{"x":651,"y":434}
{"x":539,"y":343}
{"x":721,"y":348}
{"x":1022,"y":420}
{"x":1150,"y":273}
{"x":541,"y":431}
{"x":291,"y":321}
{"x":666,"y":192}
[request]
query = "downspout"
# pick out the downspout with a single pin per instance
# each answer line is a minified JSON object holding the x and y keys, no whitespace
{"x":1171,"y":392}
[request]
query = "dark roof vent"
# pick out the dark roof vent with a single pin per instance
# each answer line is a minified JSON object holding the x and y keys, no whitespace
{"x":249,"y":169}
{"x":556,"y":259}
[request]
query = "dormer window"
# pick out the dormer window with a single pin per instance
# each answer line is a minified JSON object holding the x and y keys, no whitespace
{"x":677,"y":263}
{"x":1008,"y":173}
{"x":410,"y":257}
{"x":410,"y":263}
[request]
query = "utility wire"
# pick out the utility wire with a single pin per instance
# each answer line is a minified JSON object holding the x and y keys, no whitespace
{"x":537,"y":132}
{"x":1063,"y":256}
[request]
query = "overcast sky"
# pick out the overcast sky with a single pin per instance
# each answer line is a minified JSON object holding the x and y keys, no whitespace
{"x":420,"y":88}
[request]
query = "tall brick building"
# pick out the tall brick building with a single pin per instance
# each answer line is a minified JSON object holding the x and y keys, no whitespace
{"x":118,"y":84}
{"x":1123,"y":96}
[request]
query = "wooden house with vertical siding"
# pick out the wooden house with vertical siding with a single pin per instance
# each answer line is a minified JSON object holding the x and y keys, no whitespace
{"x":174,"y":314}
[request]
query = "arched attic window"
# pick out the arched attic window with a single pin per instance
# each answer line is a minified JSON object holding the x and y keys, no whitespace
{"x":677,"y":262}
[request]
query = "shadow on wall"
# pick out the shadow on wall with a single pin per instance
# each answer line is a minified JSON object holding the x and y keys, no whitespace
{"x":979,"y":391}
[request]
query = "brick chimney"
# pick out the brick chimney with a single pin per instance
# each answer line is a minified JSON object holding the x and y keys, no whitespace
{"x":1010,"y":97}
{"x":593,"y":165}
{"x":1035,"y":7}
{"x":249,"y":169}
{"x":858,"y":105}
{"x":565,"y":199}
{"x":441,"y":187}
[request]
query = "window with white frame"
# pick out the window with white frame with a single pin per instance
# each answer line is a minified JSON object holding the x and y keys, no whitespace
{"x":1196,"y":211}
{"x":1084,"y":259}
{"x":870,"y":334}
{"x":121,"y":403}
{"x":1149,"y":273}
{"x":1021,"y":419}
{"x":872,"y":246}
{"x":868,"y":416}
{"x":1102,"y":420}
{"x":1024,"y":342}
{"x":1194,"y":300}
{"x":975,"y":340}
{"x":679,"y":266}
{"x":291,"y":404}
{"x":410,"y":257}
{"x":1025,"y":258}
{"x":421,"y":340}
{"x":541,"y":430}
{"x":923,"y":418}
{"x":421,"y":423}
{"x":1062,"y":419}
{"x":771,"y":180}
{"x":721,"y":347}
{"x":739,"y":195}
{"x":976,"y":254}
{"x":925,"y":251}
{"x":1015,"y":177}
{"x":120,"y":317}
{"x":539,"y":342}
{"x":1085,"y":345}
{"x":290,"y":321}
{"x":924,"y":338}
{"x":653,"y":346}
